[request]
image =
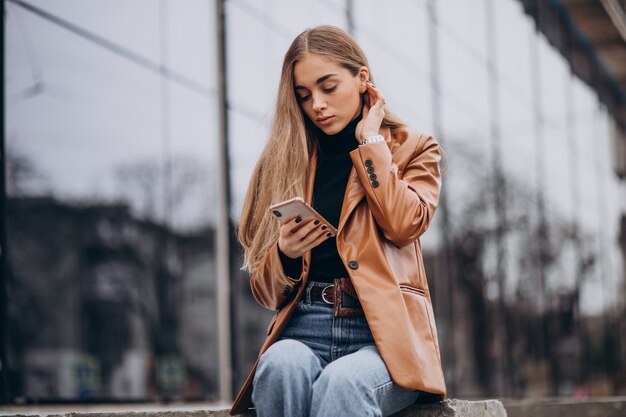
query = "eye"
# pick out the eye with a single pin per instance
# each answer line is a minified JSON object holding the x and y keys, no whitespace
{"x":326,"y":90}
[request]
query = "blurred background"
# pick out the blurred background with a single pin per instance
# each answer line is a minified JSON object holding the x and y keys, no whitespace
{"x":130,"y":132}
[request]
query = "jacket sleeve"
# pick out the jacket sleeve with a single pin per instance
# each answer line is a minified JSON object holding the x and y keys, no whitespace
{"x":403,"y":206}
{"x":270,"y":285}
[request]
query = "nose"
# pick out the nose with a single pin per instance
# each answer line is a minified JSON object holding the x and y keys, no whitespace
{"x":318,"y":102}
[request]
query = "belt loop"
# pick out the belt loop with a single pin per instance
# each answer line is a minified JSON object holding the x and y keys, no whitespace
{"x":307,"y":292}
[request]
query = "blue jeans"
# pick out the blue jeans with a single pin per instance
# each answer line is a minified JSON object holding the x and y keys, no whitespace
{"x":325,"y":366}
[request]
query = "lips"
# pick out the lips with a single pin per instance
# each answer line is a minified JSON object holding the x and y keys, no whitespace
{"x":324,"y":119}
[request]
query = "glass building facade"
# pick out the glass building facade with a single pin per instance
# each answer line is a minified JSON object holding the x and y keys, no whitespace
{"x":111,"y":138}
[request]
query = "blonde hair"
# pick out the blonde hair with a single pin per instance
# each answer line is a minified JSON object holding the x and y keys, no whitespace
{"x":284,"y":163}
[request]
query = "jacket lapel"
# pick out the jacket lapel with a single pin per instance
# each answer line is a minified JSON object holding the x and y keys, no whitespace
{"x":308,"y":197}
{"x":354,"y":189}
{"x":308,"y":188}
{"x":354,"y":194}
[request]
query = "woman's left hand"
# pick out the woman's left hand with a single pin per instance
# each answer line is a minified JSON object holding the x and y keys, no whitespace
{"x":373,"y":114}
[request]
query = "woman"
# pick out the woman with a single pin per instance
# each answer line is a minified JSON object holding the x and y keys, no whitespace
{"x":354,"y":332}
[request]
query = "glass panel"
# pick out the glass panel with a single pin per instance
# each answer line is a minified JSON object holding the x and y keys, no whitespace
{"x":111,"y":203}
{"x":112,"y":193}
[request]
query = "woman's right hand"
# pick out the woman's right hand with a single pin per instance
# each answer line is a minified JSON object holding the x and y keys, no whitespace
{"x":298,"y":236}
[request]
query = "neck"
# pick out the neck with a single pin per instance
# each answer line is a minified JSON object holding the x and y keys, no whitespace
{"x":343,"y":141}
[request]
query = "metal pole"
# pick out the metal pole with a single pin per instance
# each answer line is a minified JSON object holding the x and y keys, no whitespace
{"x":350,"y":16}
{"x":444,"y":296}
{"x":4,"y":367}
{"x":165,"y":114}
{"x":542,"y":224}
{"x":499,"y":191}
{"x":222,"y":243}
{"x":605,"y":269}
{"x":164,"y":280}
{"x":538,"y":123}
{"x":570,"y":118}
{"x":603,"y":260}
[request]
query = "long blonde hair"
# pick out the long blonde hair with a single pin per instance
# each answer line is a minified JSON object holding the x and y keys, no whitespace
{"x":284,"y":163}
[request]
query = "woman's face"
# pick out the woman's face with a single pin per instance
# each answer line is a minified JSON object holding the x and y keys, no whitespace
{"x":327,"y":90}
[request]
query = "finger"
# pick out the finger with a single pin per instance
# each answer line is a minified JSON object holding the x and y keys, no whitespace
{"x":317,"y":240}
{"x":295,"y":236}
{"x":376,"y":94}
{"x":287,"y":227}
{"x":319,"y":228}
{"x":304,"y":231}
{"x":303,"y":227}
{"x":366,"y":110}
{"x":372,"y":90}
{"x":293,"y":225}
{"x":381,"y":100}
{"x":302,"y":245}
{"x":314,"y":240}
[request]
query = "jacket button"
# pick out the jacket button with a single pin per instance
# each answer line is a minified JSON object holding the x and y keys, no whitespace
{"x":375,"y":184}
{"x":370,"y":170}
{"x":353,"y":264}
{"x":368,"y":163}
{"x":372,"y":177}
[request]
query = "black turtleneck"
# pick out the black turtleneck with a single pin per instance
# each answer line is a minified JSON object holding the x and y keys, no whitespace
{"x":331,"y":176}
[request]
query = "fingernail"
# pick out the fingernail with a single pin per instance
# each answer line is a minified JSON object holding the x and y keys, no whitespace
{"x":324,"y":227}
{"x":316,"y":222}
{"x":298,"y":220}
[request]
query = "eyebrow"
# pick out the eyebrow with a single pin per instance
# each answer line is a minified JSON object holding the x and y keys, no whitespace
{"x":319,"y":81}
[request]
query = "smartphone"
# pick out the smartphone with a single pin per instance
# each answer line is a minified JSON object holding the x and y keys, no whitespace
{"x":297,"y":206}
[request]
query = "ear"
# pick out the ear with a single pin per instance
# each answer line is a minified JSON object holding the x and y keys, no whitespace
{"x":364,"y":74}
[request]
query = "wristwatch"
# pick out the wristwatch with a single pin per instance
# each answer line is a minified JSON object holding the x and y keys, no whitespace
{"x":372,"y":139}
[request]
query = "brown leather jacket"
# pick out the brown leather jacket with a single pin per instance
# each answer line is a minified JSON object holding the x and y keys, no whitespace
{"x":384,"y":213}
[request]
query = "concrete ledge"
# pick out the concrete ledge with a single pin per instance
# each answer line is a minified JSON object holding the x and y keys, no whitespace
{"x":456,"y":408}
{"x":540,"y":407}
{"x":447,"y":408}
{"x":549,"y":407}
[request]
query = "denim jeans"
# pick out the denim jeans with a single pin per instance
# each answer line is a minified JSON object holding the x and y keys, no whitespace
{"x":327,"y":366}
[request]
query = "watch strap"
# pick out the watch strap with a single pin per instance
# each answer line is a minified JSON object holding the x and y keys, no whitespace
{"x":372,"y":139}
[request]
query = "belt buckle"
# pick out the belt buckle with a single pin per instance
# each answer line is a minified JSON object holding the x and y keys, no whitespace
{"x":324,"y":293}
